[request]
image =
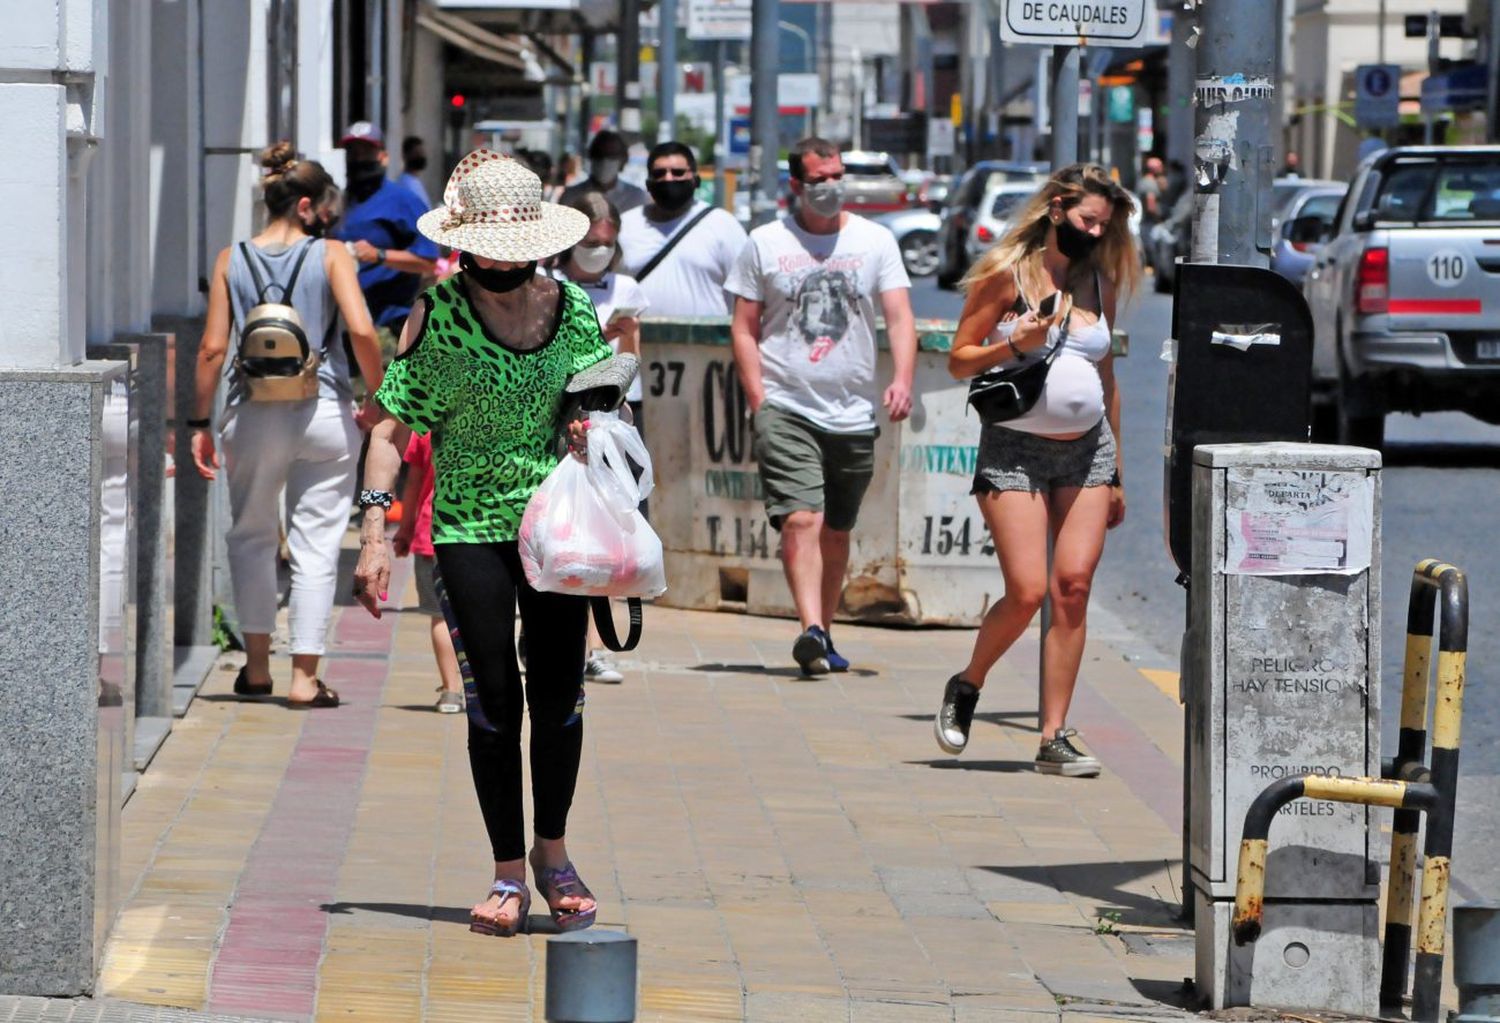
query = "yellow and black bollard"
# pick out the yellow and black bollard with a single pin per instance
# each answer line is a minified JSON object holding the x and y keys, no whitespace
{"x":1411,"y":787}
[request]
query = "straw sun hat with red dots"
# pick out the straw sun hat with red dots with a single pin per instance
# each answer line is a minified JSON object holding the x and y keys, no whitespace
{"x":492,"y":207}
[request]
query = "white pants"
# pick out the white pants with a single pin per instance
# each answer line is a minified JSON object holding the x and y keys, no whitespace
{"x":309,"y":449}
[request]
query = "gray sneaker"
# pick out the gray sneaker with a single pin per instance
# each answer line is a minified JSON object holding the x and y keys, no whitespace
{"x":449,"y":702}
{"x":599,"y":668}
{"x":1058,"y":755}
{"x":951,"y":726}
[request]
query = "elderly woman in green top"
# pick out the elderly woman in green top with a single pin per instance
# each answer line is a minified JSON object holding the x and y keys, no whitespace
{"x":482,"y":366}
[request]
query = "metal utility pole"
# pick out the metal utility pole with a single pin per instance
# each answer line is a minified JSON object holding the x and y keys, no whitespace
{"x":1233,"y":158}
{"x":765,"y":115}
{"x":995,"y":80}
{"x":1434,"y":30}
{"x":666,"y":72}
{"x":1380,"y":33}
{"x":1492,"y":97}
{"x":586,"y":94}
{"x":628,"y":73}
{"x":721,"y":143}
{"x":1180,"y":60}
{"x":1064,"y":106}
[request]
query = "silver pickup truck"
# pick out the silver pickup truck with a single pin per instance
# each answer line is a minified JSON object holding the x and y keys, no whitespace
{"x":1405,"y":293}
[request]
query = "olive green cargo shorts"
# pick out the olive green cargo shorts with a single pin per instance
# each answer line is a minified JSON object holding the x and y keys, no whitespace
{"x":806,"y":468}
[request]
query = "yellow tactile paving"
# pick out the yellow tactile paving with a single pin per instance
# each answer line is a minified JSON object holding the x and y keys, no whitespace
{"x":1166,"y":681}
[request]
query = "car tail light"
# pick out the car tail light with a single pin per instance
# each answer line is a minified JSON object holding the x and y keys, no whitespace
{"x":984,"y":234}
{"x":1372,"y":286}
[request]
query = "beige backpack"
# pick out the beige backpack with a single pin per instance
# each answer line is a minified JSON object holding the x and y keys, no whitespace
{"x":275,"y":359}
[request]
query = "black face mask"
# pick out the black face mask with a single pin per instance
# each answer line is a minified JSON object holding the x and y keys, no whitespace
{"x":365,"y":178}
{"x":1073,"y":242}
{"x":493,"y":279}
{"x":672,"y":193}
{"x":416,"y":165}
{"x":320,"y":227}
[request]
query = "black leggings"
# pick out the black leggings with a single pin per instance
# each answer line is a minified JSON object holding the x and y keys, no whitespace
{"x":483,"y":584}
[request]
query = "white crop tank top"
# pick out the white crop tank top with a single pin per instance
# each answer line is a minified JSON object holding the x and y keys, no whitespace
{"x":1072,"y":400}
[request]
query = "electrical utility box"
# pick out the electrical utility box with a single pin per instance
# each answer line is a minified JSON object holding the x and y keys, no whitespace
{"x":1285,"y":650}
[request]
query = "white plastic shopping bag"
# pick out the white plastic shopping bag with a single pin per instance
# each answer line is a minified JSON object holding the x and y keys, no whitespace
{"x":583,"y":532}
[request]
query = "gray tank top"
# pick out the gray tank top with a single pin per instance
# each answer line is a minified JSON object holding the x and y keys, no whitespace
{"x":311,"y":297}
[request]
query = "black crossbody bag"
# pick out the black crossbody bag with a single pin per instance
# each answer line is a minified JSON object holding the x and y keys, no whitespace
{"x":1009,"y":391}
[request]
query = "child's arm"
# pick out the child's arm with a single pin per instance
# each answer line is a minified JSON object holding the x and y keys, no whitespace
{"x":411,"y":502}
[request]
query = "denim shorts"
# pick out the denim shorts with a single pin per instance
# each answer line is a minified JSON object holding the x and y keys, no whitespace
{"x":1016,"y":460}
{"x":426,"y":572}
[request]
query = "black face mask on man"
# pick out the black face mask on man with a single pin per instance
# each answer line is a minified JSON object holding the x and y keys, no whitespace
{"x":672,"y":193}
{"x":365,"y":177}
{"x":494,"y":279}
{"x":1074,"y":242}
{"x":416,"y":163}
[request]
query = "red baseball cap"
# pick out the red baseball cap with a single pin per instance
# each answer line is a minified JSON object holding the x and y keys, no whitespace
{"x":363,"y":131}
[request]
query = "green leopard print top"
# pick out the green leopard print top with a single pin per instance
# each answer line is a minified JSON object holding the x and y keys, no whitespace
{"x":492,"y":410}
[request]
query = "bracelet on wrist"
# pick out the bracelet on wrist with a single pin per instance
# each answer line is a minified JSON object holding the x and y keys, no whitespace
{"x":1014,"y":351}
{"x":198,"y":424}
{"x":382,"y":498}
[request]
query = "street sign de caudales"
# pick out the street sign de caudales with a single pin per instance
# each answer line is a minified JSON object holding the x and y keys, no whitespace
{"x":1074,"y":22}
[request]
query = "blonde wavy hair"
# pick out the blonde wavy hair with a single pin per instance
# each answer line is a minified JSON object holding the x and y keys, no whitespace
{"x":1021,"y":249}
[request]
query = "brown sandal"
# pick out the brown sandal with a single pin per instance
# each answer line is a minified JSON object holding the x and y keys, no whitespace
{"x":326,"y":698}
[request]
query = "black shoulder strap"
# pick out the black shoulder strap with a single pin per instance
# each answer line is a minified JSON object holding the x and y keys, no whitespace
{"x":604,"y":621}
{"x":261,"y":284}
{"x":671,"y":244}
{"x":286,"y":292}
{"x":255,"y":275}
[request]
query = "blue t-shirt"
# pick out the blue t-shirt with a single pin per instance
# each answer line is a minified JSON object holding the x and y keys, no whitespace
{"x":388,"y":220}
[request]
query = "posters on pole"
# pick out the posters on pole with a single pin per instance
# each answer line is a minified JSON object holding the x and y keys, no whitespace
{"x":1294,"y":522}
{"x":1076,"y":22}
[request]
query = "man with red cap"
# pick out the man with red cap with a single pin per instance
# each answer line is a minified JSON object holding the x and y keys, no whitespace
{"x":380,"y":225}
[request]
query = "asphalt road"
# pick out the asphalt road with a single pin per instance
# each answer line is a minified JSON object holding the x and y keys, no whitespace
{"x":1440,"y":486}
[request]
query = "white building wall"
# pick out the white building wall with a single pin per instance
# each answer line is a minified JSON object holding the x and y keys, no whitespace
{"x":48,"y":103}
{"x":1330,"y":38}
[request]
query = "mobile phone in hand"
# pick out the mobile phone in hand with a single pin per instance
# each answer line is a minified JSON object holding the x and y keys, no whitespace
{"x":622,"y":313}
{"x":1048,"y":306}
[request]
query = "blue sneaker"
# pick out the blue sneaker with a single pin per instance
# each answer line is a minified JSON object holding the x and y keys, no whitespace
{"x":836,"y":660}
{"x":811,"y":652}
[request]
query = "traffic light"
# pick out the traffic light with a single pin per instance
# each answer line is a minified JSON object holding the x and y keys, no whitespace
{"x":456,"y":101}
{"x":1450,"y":26}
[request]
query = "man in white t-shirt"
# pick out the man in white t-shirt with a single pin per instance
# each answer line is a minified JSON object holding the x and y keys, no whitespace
{"x":705,"y":241}
{"x":804,"y":345}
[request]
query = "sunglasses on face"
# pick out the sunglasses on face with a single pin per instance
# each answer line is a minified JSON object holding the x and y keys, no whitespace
{"x":661,"y":173}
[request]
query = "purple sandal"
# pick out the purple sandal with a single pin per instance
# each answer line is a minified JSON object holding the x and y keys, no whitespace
{"x":506,"y":889}
{"x":562,"y":883}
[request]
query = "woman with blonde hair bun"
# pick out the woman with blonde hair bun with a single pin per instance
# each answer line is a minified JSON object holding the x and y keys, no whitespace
{"x":1048,"y":289}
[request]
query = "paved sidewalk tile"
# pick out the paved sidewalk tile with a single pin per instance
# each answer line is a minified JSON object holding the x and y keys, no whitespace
{"x":781,"y":849}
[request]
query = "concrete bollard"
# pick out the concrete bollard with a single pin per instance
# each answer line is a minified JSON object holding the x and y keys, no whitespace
{"x":1476,"y":962}
{"x":591,"y":977}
